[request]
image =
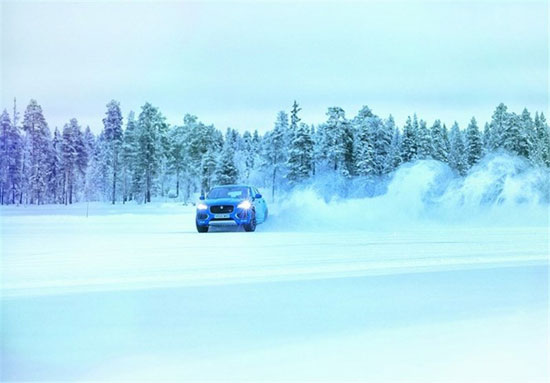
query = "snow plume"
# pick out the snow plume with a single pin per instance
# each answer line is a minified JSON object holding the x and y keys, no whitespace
{"x":501,"y":190}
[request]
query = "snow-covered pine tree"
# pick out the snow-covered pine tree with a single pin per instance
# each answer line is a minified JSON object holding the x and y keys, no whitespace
{"x":338,"y":142}
{"x":208,"y":169}
{"x":499,"y":125}
{"x":34,"y":124}
{"x":226,"y":170}
{"x":25,"y":190}
{"x":542,"y":146}
{"x":365,"y":165}
{"x":424,"y":141}
{"x":177,"y":157}
{"x":300,"y":152}
{"x":14,"y":152}
{"x":317,"y":138}
{"x":150,"y":127}
{"x":274,"y":150}
{"x":487,"y":138}
{"x":294,"y":123}
{"x":457,"y":153}
{"x":256,"y":141}
{"x":201,"y":138}
{"x":409,"y":142}
{"x":82,"y":160}
{"x":5,"y":128}
{"x":512,"y":133}
{"x":381,"y":139}
{"x":90,"y":147}
{"x":10,"y":159}
{"x":112,"y":132}
{"x":69,"y":159}
{"x":474,"y":144}
{"x":526,"y":138}
{"x":440,"y":142}
{"x":363,"y":144}
{"x":300,"y":155}
{"x":249,"y":155}
{"x":128,"y":158}
{"x":97,"y":180}
{"x":395,"y":157}
{"x":55,"y":168}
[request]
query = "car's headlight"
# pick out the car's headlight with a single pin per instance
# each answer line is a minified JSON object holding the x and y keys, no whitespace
{"x":245,"y":205}
{"x":202,"y":206}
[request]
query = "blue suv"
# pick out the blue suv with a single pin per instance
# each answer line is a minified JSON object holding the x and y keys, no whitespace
{"x":231,"y":205}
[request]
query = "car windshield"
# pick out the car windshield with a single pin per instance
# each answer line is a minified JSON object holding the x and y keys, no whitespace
{"x":228,"y":192}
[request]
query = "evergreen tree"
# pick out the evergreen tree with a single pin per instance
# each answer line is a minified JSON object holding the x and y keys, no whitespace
{"x":226,"y":171}
{"x":338,"y":142}
{"x":208,"y":170}
{"x":526,"y":137}
{"x":151,"y":128}
{"x":274,"y":149}
{"x":90,"y":147}
{"x":364,"y":152}
{"x":474,"y":149}
{"x":440,"y":142}
{"x":10,"y":159}
{"x":294,"y":123}
{"x":129,"y":158}
{"x":25,"y":193}
{"x":300,"y":156}
{"x":409,"y":143}
{"x":113,"y":138}
{"x":542,"y":147}
{"x":73,"y":158}
{"x":34,"y":124}
{"x":395,"y":157}
{"x":178,"y":154}
{"x":249,"y":154}
{"x":381,"y":139}
{"x":318,"y":142}
{"x":55,"y":168}
{"x":300,"y":152}
{"x":457,"y":153}
{"x":97,"y":180}
{"x":512,"y":133}
{"x":424,"y":141}
{"x":498,"y":128}
{"x":201,"y":138}
{"x":487,"y":138}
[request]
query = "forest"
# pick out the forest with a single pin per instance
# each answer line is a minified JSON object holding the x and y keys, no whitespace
{"x":138,"y":158}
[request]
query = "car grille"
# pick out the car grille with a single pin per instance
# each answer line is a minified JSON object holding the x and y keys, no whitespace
{"x":220,"y":209}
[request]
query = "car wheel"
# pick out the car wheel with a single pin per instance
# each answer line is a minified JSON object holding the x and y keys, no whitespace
{"x":252,"y":225}
{"x":202,"y":229}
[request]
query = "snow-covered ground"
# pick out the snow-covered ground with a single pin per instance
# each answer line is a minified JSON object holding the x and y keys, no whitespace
{"x":133,"y":292}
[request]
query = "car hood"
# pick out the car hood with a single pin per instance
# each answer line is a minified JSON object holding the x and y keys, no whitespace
{"x":223,"y":201}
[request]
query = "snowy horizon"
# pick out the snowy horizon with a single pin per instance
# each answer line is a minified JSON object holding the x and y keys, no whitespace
{"x":236,"y":64}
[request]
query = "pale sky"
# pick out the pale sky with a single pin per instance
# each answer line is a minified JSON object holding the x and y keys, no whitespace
{"x":238,"y":63}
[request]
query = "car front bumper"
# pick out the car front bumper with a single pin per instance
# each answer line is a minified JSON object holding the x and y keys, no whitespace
{"x":236,"y":217}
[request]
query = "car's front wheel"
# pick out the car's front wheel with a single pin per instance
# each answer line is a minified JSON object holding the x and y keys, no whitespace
{"x":202,"y":229}
{"x":251,"y":226}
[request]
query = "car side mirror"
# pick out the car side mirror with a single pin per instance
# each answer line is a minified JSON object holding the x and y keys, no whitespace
{"x":201,"y":197}
{"x":258,"y":195}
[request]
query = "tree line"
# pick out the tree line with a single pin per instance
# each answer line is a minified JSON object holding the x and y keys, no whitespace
{"x":138,"y":158}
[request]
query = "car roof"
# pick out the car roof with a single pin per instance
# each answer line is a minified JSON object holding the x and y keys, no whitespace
{"x":235,"y":185}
